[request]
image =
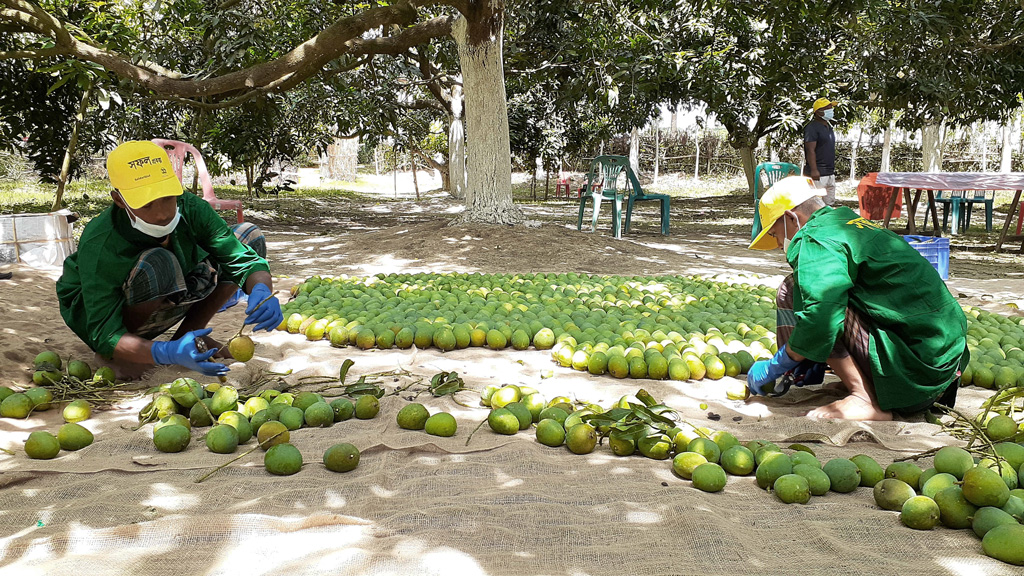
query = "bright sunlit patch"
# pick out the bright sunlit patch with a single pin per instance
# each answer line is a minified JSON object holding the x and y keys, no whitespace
{"x":260,"y":551}
{"x":381,"y":491}
{"x":450,"y":561}
{"x":964,"y":566}
{"x":506,"y":481}
{"x":334,"y":500}
{"x":620,"y":470}
{"x":643,"y":517}
{"x":167,"y":497}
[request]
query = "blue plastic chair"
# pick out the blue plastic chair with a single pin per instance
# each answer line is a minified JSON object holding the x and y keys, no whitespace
{"x":765,"y":175}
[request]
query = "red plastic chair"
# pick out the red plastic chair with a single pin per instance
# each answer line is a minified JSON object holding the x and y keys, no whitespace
{"x":563,"y":184}
{"x":178,"y":151}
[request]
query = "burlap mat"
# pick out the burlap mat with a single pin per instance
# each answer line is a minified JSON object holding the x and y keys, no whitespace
{"x":419,"y":504}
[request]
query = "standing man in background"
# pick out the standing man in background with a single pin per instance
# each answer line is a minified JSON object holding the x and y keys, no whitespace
{"x":820,"y":149}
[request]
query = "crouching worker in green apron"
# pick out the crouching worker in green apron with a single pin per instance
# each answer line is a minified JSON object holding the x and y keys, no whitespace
{"x":155,"y":258}
{"x":862,"y":300}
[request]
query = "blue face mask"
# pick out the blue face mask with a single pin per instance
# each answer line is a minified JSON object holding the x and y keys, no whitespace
{"x":829,"y":114}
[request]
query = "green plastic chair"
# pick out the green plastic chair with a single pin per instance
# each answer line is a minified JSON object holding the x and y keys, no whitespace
{"x":638,"y":195}
{"x":957,"y":201}
{"x":765,"y":175}
{"x":602,"y":184}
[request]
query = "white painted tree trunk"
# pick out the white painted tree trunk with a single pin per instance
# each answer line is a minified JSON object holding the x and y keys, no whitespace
{"x":657,"y":151}
{"x":931,"y":147}
{"x":674,"y":124}
{"x":853,"y":156}
{"x":696,"y":160}
{"x":489,"y":154}
{"x":634,"y":151}
{"x":457,"y":148}
{"x":1006,"y":150}
{"x":984,"y":147}
{"x":887,"y":146}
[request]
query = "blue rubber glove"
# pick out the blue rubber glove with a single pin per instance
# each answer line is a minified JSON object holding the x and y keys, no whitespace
{"x":809,"y":372}
{"x":767,"y":371}
{"x":268,"y":315}
{"x":183,"y":352}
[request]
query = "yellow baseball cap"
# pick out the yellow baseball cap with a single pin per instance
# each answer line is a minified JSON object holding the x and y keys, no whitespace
{"x":821,"y":103}
{"x":786,"y":194}
{"x":141,"y":171}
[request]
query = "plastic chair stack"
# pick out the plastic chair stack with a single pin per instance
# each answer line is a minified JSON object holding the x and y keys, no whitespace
{"x":602,"y":184}
{"x":961,"y":205}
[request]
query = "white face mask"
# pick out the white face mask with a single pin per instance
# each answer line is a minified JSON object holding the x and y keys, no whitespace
{"x":785,"y":237}
{"x":152,"y":229}
{"x":829,"y":114}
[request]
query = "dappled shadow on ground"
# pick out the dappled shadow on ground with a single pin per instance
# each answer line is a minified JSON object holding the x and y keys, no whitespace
{"x":425,"y":505}
{"x":419,"y":504}
{"x":365,"y":234}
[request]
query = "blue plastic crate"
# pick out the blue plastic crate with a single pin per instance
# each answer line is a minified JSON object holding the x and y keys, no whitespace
{"x":934,"y":250}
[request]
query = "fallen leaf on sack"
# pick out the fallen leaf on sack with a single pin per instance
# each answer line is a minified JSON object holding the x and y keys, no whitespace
{"x":146,"y":460}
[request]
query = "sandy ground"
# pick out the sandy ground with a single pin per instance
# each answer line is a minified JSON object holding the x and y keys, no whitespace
{"x":419,"y":504}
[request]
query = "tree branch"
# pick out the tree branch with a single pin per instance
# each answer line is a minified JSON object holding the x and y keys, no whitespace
{"x":348,"y":67}
{"x":1001,"y":45}
{"x":32,"y":54}
{"x":303,"y":61}
{"x":430,"y":77}
{"x":430,"y":161}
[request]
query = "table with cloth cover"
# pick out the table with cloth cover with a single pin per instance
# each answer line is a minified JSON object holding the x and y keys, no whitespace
{"x":929,"y":182}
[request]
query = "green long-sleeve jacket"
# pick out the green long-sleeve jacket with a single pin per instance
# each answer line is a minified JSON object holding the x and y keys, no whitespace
{"x":91,"y":289}
{"x":918,"y":330}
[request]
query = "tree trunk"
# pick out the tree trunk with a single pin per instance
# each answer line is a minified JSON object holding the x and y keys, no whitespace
{"x":441,"y":168}
{"x":696,"y":162}
{"x":853,"y":156}
{"x":415,"y":180}
{"x":489,"y":158}
{"x":984,"y":147}
{"x":65,"y":167}
{"x":931,"y":148}
{"x":634,"y":151}
{"x":887,"y":146}
{"x":457,"y":148}
{"x":657,"y":151}
{"x":1006,"y":161}
{"x":747,"y":156}
{"x":674,"y":124}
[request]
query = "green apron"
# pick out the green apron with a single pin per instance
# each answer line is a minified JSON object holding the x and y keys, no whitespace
{"x":918,"y":330}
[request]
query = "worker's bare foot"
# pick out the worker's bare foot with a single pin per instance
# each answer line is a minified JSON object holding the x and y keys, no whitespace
{"x":222,"y":351}
{"x":124,"y":371}
{"x":853,"y":407}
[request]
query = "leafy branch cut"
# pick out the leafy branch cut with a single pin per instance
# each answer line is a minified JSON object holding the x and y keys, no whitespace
{"x":1006,"y":402}
{"x":637,"y":421}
